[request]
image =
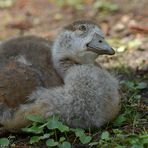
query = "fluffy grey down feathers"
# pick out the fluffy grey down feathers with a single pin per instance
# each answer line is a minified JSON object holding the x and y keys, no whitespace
{"x":93,"y":104}
{"x":89,"y":96}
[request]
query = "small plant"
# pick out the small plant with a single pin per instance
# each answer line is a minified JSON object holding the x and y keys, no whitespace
{"x":4,"y":142}
{"x":104,"y":5}
{"x":78,"y":4}
{"x":119,"y":139}
{"x":54,"y":132}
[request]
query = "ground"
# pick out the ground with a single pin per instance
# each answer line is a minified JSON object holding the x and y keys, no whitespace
{"x":125,"y":24}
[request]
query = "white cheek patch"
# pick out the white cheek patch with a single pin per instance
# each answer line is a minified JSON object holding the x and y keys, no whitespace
{"x":23,"y":60}
{"x":80,"y":42}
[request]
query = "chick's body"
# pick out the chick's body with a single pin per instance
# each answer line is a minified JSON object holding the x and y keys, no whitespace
{"x":89,"y":98}
{"x":25,"y":64}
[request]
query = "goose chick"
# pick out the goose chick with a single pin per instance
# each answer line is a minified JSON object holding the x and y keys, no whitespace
{"x":30,"y":62}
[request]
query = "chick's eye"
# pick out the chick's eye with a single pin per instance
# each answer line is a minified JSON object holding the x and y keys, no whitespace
{"x":82,"y":28}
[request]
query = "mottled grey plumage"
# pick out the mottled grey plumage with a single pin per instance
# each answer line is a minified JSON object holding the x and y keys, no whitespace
{"x":87,"y":98}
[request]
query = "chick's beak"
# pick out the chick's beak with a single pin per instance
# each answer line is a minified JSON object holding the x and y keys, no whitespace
{"x":100,"y":46}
